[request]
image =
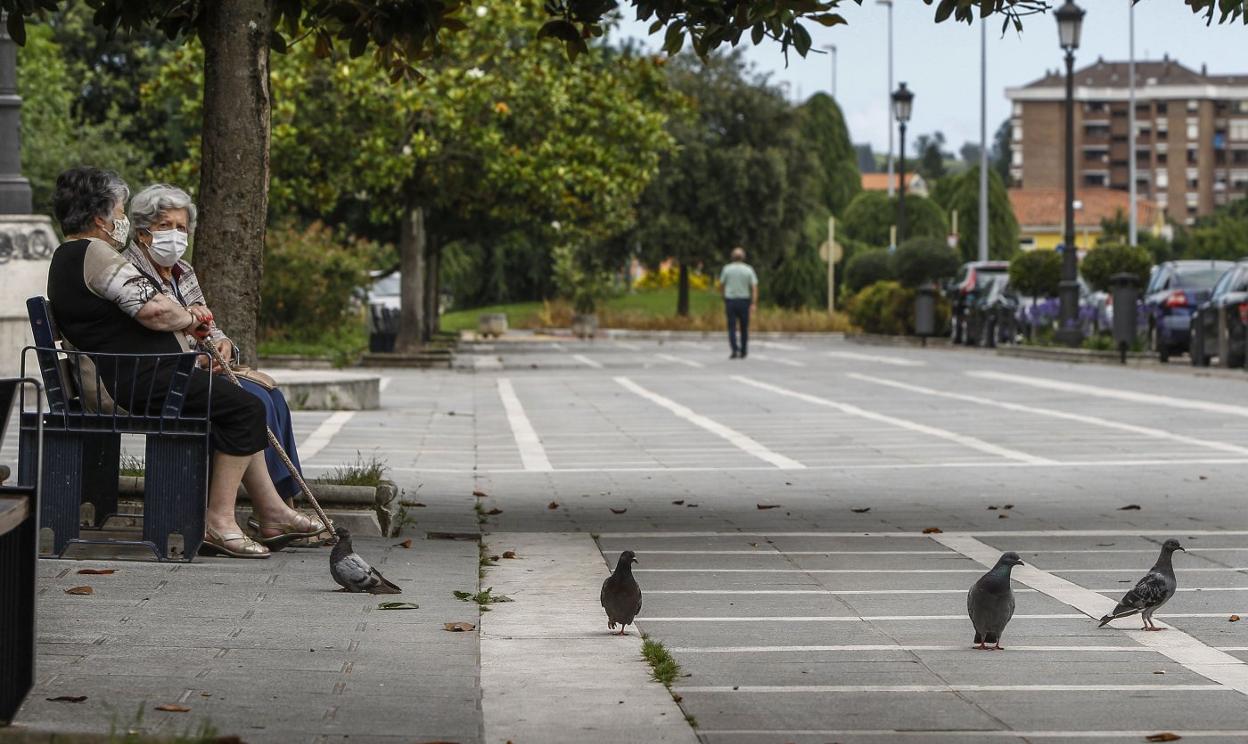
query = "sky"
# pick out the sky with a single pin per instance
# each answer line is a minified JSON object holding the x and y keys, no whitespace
{"x":940,"y":62}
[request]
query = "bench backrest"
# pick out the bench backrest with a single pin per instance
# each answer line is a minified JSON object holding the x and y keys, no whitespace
{"x":46,"y":337}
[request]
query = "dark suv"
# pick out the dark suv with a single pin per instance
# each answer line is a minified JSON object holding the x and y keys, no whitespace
{"x":1176,"y":289}
{"x":1218,"y":323}
{"x":973,"y":283}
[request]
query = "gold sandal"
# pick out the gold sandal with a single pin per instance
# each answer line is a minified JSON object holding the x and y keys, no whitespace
{"x":215,"y":544}
{"x":290,"y":530}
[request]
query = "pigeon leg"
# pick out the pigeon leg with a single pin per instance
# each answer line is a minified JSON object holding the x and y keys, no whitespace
{"x":982,"y":647}
{"x":998,"y":647}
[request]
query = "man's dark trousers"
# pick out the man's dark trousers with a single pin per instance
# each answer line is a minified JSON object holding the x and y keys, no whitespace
{"x":738,"y":312}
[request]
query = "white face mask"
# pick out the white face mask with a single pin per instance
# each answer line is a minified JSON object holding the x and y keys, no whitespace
{"x":121,"y":230}
{"x":167,"y":247}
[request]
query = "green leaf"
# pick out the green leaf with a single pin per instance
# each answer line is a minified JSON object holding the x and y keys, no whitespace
{"x":801,"y":39}
{"x":945,"y":9}
{"x":462,"y":595}
{"x":17,"y":28}
{"x":674,"y":40}
{"x":277,"y":42}
{"x":398,"y":606}
{"x":559,"y":29}
{"x":829,"y":19}
{"x":654,"y":27}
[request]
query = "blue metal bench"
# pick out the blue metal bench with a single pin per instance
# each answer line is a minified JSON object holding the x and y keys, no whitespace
{"x":19,"y":507}
{"x":82,"y":441}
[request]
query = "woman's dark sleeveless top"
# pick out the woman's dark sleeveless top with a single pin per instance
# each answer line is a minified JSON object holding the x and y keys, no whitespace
{"x":90,"y":322}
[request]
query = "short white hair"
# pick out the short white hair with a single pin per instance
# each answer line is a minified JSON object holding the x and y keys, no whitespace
{"x":147,"y":205}
{"x":738,"y":253}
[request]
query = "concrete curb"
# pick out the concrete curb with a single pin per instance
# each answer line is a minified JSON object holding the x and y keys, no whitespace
{"x":550,"y":669}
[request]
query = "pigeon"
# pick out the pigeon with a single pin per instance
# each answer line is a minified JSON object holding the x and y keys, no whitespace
{"x":1153,"y":591}
{"x":990,"y":603}
{"x":352,"y":572}
{"x":620,"y":596}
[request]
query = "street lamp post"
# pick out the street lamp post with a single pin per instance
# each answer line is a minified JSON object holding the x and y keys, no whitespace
{"x":903,"y":98}
{"x":14,"y":190}
{"x":831,"y":49}
{"x":1069,"y":26}
{"x":889,"y":4}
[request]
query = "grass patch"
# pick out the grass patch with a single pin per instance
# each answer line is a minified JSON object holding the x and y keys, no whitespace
{"x":663,"y":668}
{"x":483,"y":598}
{"x":363,"y":472}
{"x":484,"y":559}
{"x":342,"y":346}
{"x":650,"y":310}
{"x":132,"y":466}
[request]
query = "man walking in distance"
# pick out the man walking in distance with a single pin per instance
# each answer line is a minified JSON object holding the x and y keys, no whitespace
{"x":739,"y":285}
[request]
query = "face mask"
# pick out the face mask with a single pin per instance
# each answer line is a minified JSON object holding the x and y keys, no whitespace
{"x":121,"y":230}
{"x":167,"y":247}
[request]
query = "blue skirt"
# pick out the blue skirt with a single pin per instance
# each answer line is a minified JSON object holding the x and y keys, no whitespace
{"x":277,"y":414}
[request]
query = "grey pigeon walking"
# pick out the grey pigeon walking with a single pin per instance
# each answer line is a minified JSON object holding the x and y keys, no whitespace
{"x":1153,"y":591}
{"x":990,"y":603}
{"x":621,"y":596}
{"x":352,"y":572}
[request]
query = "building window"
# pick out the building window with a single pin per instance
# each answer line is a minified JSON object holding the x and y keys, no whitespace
{"x":1016,"y":157}
{"x":1016,"y":132}
{"x":1093,"y":179}
{"x":1163,"y":178}
{"x":1161,"y":107}
{"x":1241,"y":157}
{"x":1191,"y":156}
{"x":1161,"y":157}
{"x":1018,"y":108}
{"x":1239,"y":129}
{"x":1193,"y":130}
{"x":1193,"y":183}
{"x":1193,"y":105}
{"x":1095,"y":156}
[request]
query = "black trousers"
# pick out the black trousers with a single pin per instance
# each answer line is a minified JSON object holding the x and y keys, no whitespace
{"x":738,"y":312}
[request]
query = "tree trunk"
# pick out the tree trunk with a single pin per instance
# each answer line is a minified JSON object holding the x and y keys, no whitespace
{"x":412,"y":239}
{"x":682,"y":292}
{"x":234,"y":179}
{"x":433,"y":265}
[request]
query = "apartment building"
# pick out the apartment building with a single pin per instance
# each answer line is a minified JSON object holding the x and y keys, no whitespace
{"x":1191,"y":134}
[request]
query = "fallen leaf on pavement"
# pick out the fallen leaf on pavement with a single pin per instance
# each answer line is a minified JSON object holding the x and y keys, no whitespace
{"x":173,"y":708}
{"x":932,"y":530}
{"x":494,"y":511}
{"x":81,"y":590}
{"x":767,"y":506}
{"x":509,"y":554}
{"x":617,"y":511}
{"x":1233,"y":618}
{"x":459,"y":627}
{"x":67,"y":699}
{"x":1003,"y":516}
{"x":494,"y":558}
{"x":481,"y":494}
{"x":405,"y":544}
{"x":398,"y":606}
{"x":1129,"y":507}
{"x":553,"y":505}
{"x":1008,"y":506}
{"x":992,"y":508}
{"x":678,"y":502}
{"x":1204,"y":477}
{"x":417,"y":504}
{"x":1163,"y":736}
{"x":860,"y":510}
{"x":461,"y":595}
{"x":97,"y":571}
{"x":691,"y":506}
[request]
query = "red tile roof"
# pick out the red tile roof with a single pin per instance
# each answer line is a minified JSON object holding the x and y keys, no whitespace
{"x":1037,"y":208}
{"x":880,"y":181}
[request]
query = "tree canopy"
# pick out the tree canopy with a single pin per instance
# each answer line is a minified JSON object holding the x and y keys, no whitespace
{"x":823,"y":130}
{"x":872,"y":214}
{"x":961,"y":192}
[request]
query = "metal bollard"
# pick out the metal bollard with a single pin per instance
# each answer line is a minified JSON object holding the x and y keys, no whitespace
{"x":925,"y":311}
{"x":1125,"y":290}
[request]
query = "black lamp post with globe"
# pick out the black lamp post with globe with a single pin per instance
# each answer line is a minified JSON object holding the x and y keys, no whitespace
{"x":1069,"y":28}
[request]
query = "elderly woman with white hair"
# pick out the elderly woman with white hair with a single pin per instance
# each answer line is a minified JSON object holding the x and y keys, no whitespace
{"x":162,"y":222}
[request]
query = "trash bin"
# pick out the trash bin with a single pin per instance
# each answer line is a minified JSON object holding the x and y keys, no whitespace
{"x":1125,"y":290}
{"x":925,"y":311}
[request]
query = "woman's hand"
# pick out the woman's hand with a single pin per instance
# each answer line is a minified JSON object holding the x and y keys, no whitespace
{"x":201,"y":313}
{"x":227,"y":353}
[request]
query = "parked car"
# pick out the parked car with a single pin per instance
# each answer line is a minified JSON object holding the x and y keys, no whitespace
{"x":993,"y":316}
{"x":1174,"y":292}
{"x":382,"y":299}
{"x":970,"y":285}
{"x":1035,"y":314}
{"x":1218,"y":324}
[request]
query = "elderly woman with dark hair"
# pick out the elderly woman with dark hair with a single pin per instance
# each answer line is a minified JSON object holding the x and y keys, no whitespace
{"x":162,"y":222}
{"x":103,"y":304}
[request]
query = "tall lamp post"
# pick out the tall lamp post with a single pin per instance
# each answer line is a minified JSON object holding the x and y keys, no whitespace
{"x":831,"y":49}
{"x":1069,"y":26}
{"x":903,"y":98}
{"x":889,"y":4}
{"x":14,"y":190}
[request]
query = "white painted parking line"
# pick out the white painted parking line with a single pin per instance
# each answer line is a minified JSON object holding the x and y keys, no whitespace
{"x":626,"y":345}
{"x":922,"y":536}
{"x":857,"y":357}
{"x":591,"y":363}
{"x":532,"y":454}
{"x":735,"y":437}
{"x":778,"y":345}
{"x":321,"y":437}
{"x":1176,"y":645}
{"x":1180,"y":571}
{"x":701,"y":345}
{"x":889,"y":592}
{"x":1104,"y":392}
{"x":775,"y":552}
{"x":946,"y":688}
{"x":893,"y":647}
{"x":482,"y":361}
{"x":959,"y":617}
{"x":962,"y":439}
{"x":678,"y":360}
{"x":976,"y":734}
{"x":778,"y":360}
{"x":1146,"y":431}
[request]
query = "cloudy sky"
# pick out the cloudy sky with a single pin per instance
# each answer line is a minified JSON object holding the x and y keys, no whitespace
{"x":940,"y":62}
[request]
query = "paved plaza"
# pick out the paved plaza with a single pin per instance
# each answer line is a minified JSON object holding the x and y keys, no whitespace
{"x":807,"y":522}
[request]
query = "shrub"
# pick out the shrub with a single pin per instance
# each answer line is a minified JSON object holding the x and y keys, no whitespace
{"x":669,"y":277}
{"x":1036,"y":273}
{"x":867,"y":268}
{"x":310,"y":280}
{"x":871,"y":215}
{"x":1103,"y":261}
{"x":888,"y":308}
{"x":925,"y":259}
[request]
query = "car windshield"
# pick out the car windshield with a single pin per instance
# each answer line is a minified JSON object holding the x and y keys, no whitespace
{"x":387,"y":285}
{"x":1202,"y":278}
